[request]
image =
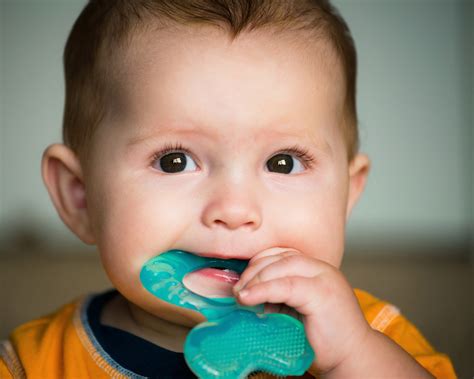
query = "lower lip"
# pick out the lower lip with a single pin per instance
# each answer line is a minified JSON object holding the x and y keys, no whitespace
{"x":212,"y":282}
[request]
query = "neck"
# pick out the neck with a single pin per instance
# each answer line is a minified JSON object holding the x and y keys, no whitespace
{"x":121,"y":314}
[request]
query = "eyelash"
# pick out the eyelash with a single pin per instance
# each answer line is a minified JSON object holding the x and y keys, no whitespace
{"x":303,"y":154}
{"x":170,"y":148}
{"x":306,"y":158}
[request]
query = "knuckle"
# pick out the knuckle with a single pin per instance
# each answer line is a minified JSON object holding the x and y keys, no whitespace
{"x":287,"y":260}
{"x":289,"y":283}
{"x":261,"y":276}
{"x":290,"y":253}
{"x":293,"y":260}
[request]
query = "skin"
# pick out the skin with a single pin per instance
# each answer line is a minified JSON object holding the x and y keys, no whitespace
{"x":234,"y":106}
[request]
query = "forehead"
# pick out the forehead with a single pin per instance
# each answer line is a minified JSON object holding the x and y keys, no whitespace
{"x":198,"y":76}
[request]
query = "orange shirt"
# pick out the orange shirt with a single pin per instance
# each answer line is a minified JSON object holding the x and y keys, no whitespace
{"x":61,"y":345}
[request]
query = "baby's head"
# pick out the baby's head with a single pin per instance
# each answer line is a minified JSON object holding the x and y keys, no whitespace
{"x":222,"y":128}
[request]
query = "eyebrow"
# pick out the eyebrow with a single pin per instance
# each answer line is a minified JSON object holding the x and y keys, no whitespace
{"x":321,"y":143}
{"x":169,"y":130}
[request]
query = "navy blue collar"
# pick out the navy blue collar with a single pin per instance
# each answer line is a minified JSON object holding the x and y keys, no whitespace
{"x":131,"y":352}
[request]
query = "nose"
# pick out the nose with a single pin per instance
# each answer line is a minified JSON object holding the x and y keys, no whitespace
{"x":232,"y":209}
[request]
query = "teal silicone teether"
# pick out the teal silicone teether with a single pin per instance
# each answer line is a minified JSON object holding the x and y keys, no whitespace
{"x":235,"y":340}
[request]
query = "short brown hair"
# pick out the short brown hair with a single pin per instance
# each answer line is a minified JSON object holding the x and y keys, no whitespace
{"x":105,"y":26}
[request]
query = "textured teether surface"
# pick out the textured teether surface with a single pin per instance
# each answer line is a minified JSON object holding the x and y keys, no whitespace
{"x":235,"y":340}
{"x":243,"y":341}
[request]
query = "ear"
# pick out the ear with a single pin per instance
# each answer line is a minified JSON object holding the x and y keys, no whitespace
{"x":358,"y":171}
{"x":62,"y":175}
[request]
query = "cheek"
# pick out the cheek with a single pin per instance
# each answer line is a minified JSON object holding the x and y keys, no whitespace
{"x":133,"y":223}
{"x":314,"y":223}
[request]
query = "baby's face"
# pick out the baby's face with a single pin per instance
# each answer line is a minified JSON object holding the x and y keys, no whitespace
{"x":219,"y":149}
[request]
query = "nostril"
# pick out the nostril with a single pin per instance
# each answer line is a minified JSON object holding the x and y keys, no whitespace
{"x":231,"y":217}
{"x":252,"y":224}
{"x":235,"y":225}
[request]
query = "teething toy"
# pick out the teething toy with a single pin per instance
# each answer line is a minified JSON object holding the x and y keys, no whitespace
{"x":236,"y":340}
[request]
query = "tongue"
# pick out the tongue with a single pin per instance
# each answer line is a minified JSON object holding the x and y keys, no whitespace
{"x":211,"y":282}
{"x":226,"y":275}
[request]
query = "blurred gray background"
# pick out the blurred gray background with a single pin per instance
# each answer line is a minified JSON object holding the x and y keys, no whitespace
{"x":409,"y":240}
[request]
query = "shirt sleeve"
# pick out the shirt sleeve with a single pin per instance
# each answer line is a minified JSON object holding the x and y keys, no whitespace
{"x":406,"y":335}
{"x":388,"y":320}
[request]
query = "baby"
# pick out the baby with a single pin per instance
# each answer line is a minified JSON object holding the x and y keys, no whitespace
{"x":227,"y":129}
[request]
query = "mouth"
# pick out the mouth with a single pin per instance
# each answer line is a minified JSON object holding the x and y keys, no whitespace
{"x":212,"y":282}
{"x":220,"y":274}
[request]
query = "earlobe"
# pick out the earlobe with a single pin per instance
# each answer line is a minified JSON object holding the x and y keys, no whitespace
{"x":62,"y":175}
{"x":358,"y":172}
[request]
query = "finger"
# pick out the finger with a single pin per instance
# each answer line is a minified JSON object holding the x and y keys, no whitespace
{"x":295,"y":291}
{"x":272,"y":251}
{"x":291,"y":265}
{"x":257,"y":265}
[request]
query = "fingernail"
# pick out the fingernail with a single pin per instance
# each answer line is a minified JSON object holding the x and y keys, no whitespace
{"x":243,"y":293}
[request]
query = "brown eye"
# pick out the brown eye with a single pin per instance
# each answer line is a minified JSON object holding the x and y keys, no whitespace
{"x":280,"y":163}
{"x":176,"y":162}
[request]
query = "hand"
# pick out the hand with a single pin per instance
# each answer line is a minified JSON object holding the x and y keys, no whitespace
{"x":334,"y":323}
